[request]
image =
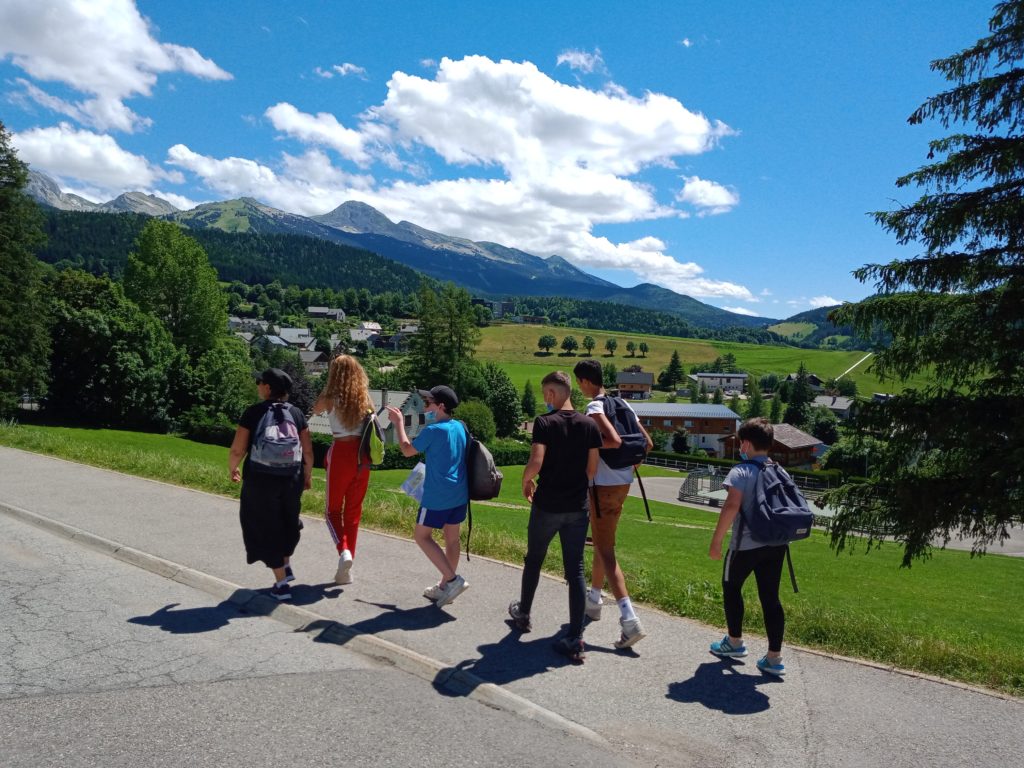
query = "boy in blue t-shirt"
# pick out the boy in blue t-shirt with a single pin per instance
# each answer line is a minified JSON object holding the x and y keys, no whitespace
{"x":445,"y":487}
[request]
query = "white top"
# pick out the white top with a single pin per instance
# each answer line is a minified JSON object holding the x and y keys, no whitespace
{"x":605,"y":474}
{"x":340,"y":430}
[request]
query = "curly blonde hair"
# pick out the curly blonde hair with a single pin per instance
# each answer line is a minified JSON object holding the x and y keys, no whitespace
{"x":347,"y":391}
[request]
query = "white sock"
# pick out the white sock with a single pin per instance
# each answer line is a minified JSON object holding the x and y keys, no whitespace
{"x":346,"y":555}
{"x":626,"y":609}
{"x":594,"y":594}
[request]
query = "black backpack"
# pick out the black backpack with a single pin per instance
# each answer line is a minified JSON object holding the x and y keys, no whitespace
{"x":634,"y":445}
{"x":483,"y":477}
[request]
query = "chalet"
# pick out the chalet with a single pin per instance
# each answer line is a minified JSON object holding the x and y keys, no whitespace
{"x":269,"y":342}
{"x":326,"y":313}
{"x":723,"y":381}
{"x":313,"y":360}
{"x":816,"y":383}
{"x":298,"y":338}
{"x":361,"y":334}
{"x":367,"y":325}
{"x":707,"y":423}
{"x":791,"y":447}
{"x":842,"y":407}
{"x":409,"y":403}
{"x":635,"y":384}
{"x":409,"y":326}
{"x":245,"y":336}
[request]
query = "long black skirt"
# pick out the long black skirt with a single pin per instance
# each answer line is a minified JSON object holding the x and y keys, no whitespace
{"x":269,"y":513}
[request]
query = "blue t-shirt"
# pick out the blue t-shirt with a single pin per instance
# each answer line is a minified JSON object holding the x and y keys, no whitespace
{"x":444,"y":446}
{"x":743,"y":478}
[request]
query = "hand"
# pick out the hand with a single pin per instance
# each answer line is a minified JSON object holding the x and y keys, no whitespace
{"x":528,"y":488}
{"x":307,"y":479}
{"x":394,"y":415}
{"x":236,"y":475}
{"x":715,"y":551}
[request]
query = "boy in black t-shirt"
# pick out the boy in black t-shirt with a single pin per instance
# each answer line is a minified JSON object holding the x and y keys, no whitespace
{"x":564,"y":454}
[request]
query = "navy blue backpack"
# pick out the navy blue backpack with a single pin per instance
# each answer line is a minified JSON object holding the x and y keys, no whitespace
{"x":780,"y":513}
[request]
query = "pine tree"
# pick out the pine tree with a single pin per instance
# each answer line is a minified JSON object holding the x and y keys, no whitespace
{"x":755,"y":403}
{"x":529,"y":401}
{"x":953,"y":459}
{"x":24,"y":333}
{"x":674,"y":372}
{"x":775,"y":413}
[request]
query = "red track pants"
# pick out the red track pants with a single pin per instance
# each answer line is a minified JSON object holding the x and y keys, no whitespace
{"x":346,"y":488}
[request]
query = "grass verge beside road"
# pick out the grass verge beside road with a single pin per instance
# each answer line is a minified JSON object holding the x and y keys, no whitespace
{"x":952,"y":616}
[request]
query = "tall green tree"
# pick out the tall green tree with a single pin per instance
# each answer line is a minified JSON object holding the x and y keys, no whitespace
{"x":112,"y":363}
{"x":609,"y":374}
{"x":674,"y":372}
{"x":644,"y":348}
{"x":801,"y":396}
{"x":631,"y":348}
{"x":589,"y":343}
{"x":529,"y":401}
{"x":443,"y":349}
{"x":953,"y":458}
{"x":775,"y":412}
{"x":546,"y":342}
{"x":755,"y":402}
{"x":24,"y":332}
{"x":503,"y":400}
{"x":611,"y":345}
{"x":570,"y":345}
{"x":170,"y":277}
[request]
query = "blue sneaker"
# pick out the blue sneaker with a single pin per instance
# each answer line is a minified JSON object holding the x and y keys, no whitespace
{"x":724,"y":649}
{"x":777,"y":668}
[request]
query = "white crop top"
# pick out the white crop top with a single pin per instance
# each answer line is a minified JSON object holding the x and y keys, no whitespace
{"x":340,"y":430}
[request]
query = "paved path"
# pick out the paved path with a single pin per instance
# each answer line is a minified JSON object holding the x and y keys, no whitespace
{"x":105,"y":664}
{"x":669,"y":703}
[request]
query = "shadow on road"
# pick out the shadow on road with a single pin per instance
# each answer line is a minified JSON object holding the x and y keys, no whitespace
{"x":722,"y":685}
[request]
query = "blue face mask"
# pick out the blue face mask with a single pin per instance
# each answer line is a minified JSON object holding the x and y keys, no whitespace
{"x":430,"y":417}
{"x":550,"y":407}
{"x":743,"y":456}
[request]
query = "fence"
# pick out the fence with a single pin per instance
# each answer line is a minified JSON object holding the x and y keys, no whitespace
{"x":812,"y":487}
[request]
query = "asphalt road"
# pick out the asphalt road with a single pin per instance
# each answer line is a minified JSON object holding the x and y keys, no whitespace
{"x":105,"y":664}
{"x":665,"y":703}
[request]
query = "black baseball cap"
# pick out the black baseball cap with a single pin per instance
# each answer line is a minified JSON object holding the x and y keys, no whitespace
{"x":442,"y":395}
{"x":278,"y":381}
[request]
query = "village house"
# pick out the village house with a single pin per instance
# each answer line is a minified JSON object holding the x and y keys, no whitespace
{"x":634,"y":384}
{"x":369,"y":325}
{"x":707,"y":423}
{"x":269,"y":342}
{"x":326,"y":313}
{"x":361,"y":334}
{"x":247,"y":324}
{"x":313,"y":360}
{"x":816,"y":383}
{"x":727,"y":382}
{"x":791,"y":447}
{"x":409,"y":403}
{"x":842,"y":407}
{"x":298,"y":338}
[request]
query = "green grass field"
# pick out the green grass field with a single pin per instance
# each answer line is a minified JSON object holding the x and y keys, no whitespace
{"x":953,"y":615}
{"x":514,"y":346}
{"x":792,"y":330}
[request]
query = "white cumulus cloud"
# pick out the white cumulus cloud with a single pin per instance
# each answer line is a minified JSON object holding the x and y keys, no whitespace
{"x":101,"y":167}
{"x":582,"y":61}
{"x":708,"y":197}
{"x":322,"y":129}
{"x":741,"y":311}
{"x":104,"y":49}
{"x":824,"y":301}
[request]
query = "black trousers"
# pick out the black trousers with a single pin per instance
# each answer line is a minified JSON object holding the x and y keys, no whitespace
{"x":269,"y":514}
{"x":766,"y":564}
{"x":571,"y":528}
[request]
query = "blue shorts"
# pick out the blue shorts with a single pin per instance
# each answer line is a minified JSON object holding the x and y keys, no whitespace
{"x":439,"y":518}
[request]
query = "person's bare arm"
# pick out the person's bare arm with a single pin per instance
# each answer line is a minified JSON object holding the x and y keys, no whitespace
{"x":397,"y":419}
{"x":592,"y":457}
{"x":609,"y":437}
{"x":307,"y":459}
{"x":728,"y":514}
{"x":532,"y":469}
{"x":237,"y":452}
{"x":322,"y":404}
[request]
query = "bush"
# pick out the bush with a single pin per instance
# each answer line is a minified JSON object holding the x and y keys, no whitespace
{"x":212,"y":430}
{"x":508,"y":453}
{"x":479,"y":419}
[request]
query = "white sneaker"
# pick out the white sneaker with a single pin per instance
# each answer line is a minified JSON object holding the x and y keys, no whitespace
{"x":433,"y":592}
{"x":632,"y":633}
{"x":592,"y":609}
{"x":451,"y":590}
{"x":344,"y":572}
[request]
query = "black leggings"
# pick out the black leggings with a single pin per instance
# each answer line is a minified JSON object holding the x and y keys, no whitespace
{"x":766,"y":563}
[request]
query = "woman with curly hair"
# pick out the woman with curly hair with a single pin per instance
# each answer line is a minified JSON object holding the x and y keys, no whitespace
{"x":346,"y":400}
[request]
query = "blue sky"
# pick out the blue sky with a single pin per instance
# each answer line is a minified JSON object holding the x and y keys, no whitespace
{"x":730,"y":153}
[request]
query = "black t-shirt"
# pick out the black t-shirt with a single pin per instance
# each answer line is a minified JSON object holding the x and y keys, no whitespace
{"x":568,"y":437}
{"x":254,"y":413}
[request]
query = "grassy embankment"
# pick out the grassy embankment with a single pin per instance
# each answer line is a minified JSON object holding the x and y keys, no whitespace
{"x":515,"y":348}
{"x":953,"y":615}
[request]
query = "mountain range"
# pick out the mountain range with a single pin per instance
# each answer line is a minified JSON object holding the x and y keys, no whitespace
{"x":484,"y":268}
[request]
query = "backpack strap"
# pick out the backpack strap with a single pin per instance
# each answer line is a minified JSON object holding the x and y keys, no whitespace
{"x":364,"y":442}
{"x":469,"y":503}
{"x":643,"y":493}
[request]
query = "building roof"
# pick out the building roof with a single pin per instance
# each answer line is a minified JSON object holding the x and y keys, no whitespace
{"x":295,"y":335}
{"x":312,"y":356}
{"x":360,"y":334}
{"x":720,"y":375}
{"x":793,"y":438}
{"x":683,"y":410}
{"x":634,"y":377}
{"x":834,"y":401}
{"x":276,"y":341}
{"x":316,"y":310}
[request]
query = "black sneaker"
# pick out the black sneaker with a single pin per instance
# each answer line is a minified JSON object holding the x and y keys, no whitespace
{"x":520,"y":620}
{"x":281,"y":592}
{"x":572,"y":648}
{"x":288,"y":575}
